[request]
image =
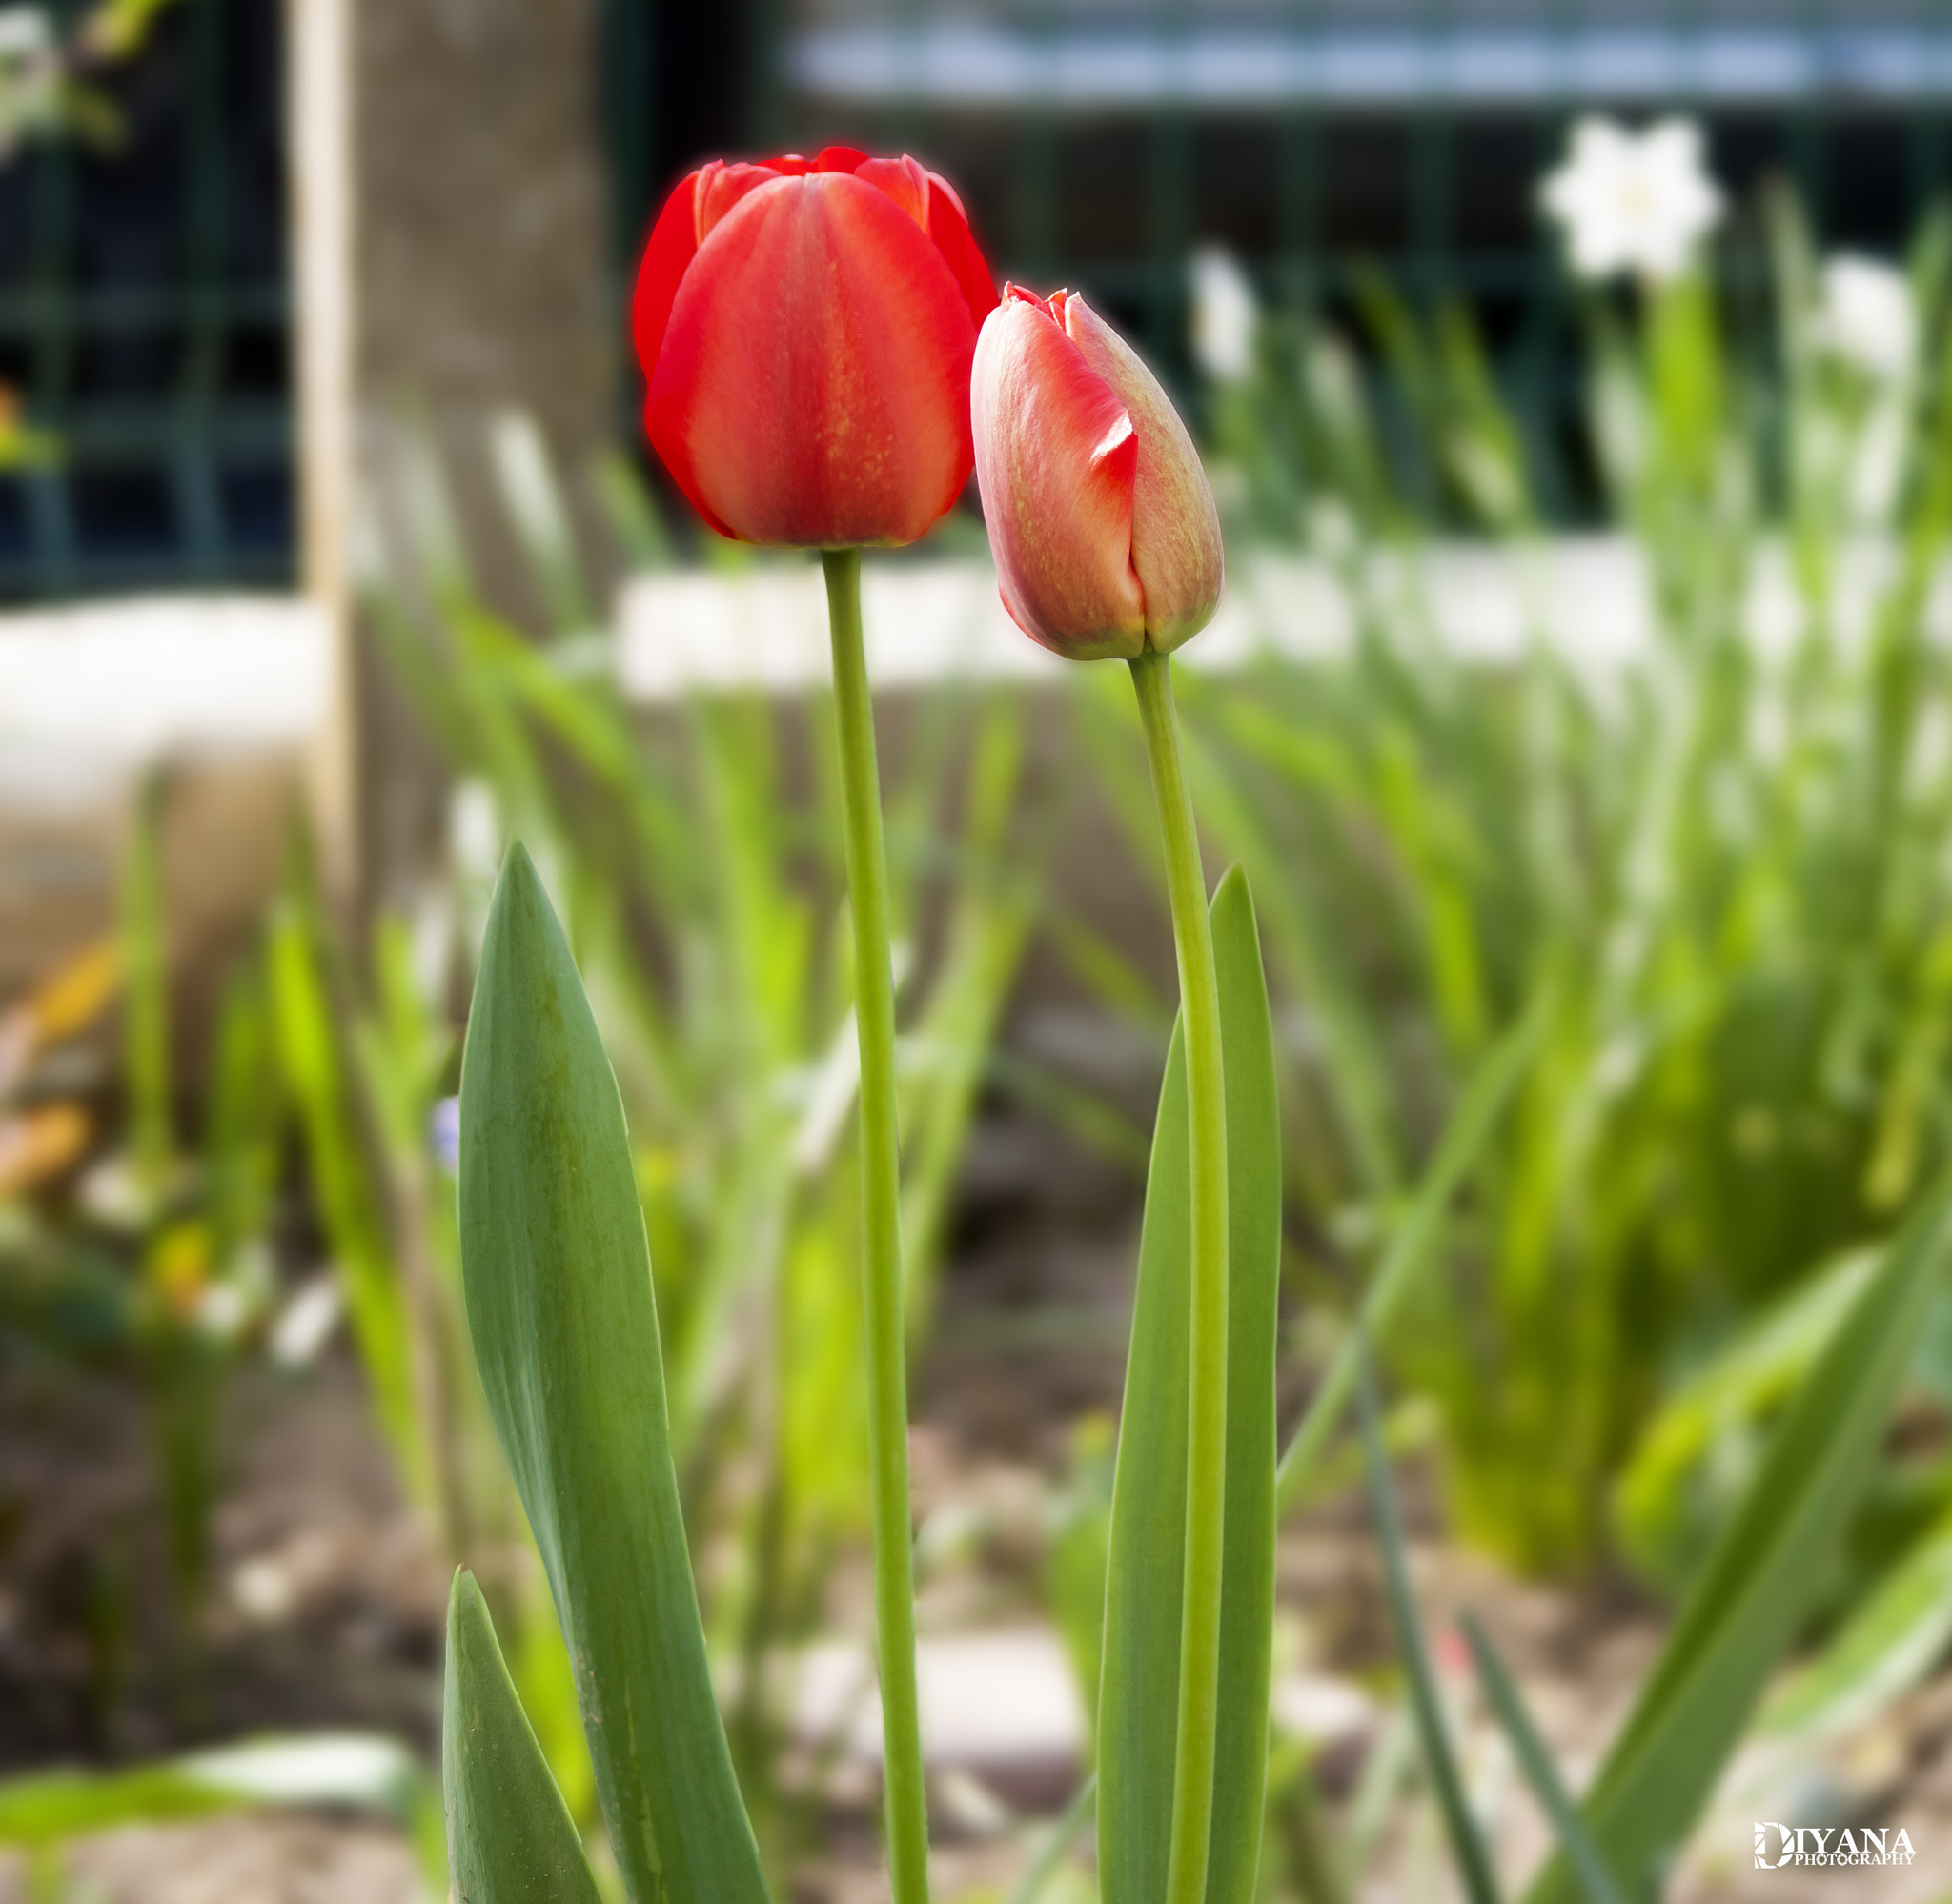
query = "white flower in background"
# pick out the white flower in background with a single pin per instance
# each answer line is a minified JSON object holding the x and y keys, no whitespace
{"x":444,"y":1135}
{"x":222,"y":1310}
{"x":23,"y":34}
{"x":1629,"y":202}
{"x":306,"y":1322}
{"x":1226,"y":313}
{"x":30,"y":74}
{"x":1866,"y":315}
{"x":473,"y":831}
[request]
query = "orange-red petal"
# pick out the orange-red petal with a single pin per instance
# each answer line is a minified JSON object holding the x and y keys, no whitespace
{"x":719,"y":186}
{"x":811,"y":385}
{"x":667,"y":256}
{"x":950,"y":231}
{"x":1056,"y":458}
{"x":903,"y":181}
{"x":1175,"y":528}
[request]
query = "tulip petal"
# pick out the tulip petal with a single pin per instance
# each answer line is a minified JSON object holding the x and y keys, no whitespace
{"x":851,"y":422}
{"x":1175,"y":528}
{"x":950,"y":230}
{"x":903,"y":181}
{"x":673,"y":245}
{"x":720,"y":187}
{"x":840,"y":158}
{"x":1056,"y":457}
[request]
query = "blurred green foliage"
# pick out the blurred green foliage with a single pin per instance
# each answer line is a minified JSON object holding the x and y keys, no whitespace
{"x":1717,"y":860}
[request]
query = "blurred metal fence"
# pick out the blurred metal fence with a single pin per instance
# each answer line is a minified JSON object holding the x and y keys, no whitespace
{"x":143,"y":317}
{"x":1099,"y":140}
{"x":143,"y":302}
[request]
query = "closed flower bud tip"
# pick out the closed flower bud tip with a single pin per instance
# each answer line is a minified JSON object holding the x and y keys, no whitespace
{"x":1105,"y":534}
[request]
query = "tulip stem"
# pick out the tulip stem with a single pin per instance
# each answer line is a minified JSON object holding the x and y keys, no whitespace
{"x":1206,"y":1480}
{"x":881,"y":1189}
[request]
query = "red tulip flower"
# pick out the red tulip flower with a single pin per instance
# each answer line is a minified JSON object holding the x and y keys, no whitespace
{"x":806,"y":329}
{"x":1105,"y":538}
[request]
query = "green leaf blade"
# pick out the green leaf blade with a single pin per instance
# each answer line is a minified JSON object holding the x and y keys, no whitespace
{"x":1138,"y":1700}
{"x":1890,"y":1643}
{"x":1755,"y":1589}
{"x":1439,"y":1756}
{"x":1414,"y":1245}
{"x":1536,"y":1762}
{"x":558,"y":1279}
{"x":1254,"y":1277}
{"x":510,"y":1838}
{"x":1138,"y":1687}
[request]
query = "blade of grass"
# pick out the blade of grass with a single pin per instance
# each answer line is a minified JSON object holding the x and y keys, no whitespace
{"x":1536,"y":1762}
{"x":630,"y":513}
{"x":1056,"y":1842}
{"x":1414,"y":1244}
{"x":1894,"y":1637}
{"x":350,"y":1204}
{"x":341,"y":1770}
{"x":1467,"y":1841}
{"x":146,"y":988}
{"x":535,"y":509}
{"x":1755,"y":1589}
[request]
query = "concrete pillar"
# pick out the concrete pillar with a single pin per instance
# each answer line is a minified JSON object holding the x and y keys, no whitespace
{"x":450,"y":261}
{"x":481,"y":228}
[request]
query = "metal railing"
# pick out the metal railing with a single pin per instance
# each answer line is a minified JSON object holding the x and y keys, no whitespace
{"x":143,"y":296}
{"x":143,"y":319}
{"x":1100,"y":140}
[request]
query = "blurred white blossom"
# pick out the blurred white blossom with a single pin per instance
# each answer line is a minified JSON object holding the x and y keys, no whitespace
{"x":24,"y":31}
{"x":222,"y":1310}
{"x":306,"y":1322}
{"x":30,"y":74}
{"x":474,"y":830}
{"x":1629,"y":202}
{"x":444,"y":1134}
{"x":1868,"y":316}
{"x":1226,"y":313}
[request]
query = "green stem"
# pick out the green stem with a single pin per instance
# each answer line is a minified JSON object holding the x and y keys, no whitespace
{"x":1199,"y":993}
{"x":881,"y":1185}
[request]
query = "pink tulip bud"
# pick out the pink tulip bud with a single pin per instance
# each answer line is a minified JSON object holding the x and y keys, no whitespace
{"x":1106,"y":537}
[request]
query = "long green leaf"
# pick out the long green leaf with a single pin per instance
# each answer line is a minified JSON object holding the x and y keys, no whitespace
{"x":1894,"y":1638}
{"x":348,"y":1199}
{"x":1756,"y":1587}
{"x":510,"y":1838}
{"x":1536,"y":1762}
{"x":1057,"y":1840}
{"x":1138,"y":1700}
{"x":1414,"y":1244}
{"x":1440,"y":1759}
{"x":564,"y":1325}
{"x":146,"y":988}
{"x":339,"y":1770}
{"x":1744,"y":1382}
